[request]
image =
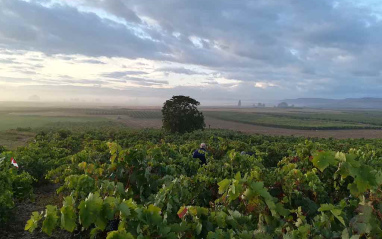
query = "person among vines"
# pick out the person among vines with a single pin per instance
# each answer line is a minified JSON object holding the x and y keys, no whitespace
{"x":201,"y":154}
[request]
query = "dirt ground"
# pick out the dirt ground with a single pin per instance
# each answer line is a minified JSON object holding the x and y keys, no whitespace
{"x":255,"y":129}
{"x":44,"y":195}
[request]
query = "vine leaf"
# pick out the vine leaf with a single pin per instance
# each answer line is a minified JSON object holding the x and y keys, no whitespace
{"x":90,"y":209}
{"x":120,"y":234}
{"x":198,"y":228}
{"x":334,"y":210}
{"x":32,"y":223}
{"x":51,"y":219}
{"x":223,"y":185}
{"x":322,"y":160}
{"x":68,"y":215}
{"x":182,"y":211}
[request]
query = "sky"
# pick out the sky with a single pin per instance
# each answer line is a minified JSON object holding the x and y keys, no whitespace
{"x":142,"y":52}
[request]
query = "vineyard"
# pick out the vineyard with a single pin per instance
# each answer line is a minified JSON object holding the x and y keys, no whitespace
{"x":145,"y":184}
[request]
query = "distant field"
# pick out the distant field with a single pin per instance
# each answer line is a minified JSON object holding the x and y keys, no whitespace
{"x":10,"y":121}
{"x":14,"y":138}
{"x":17,"y":129}
{"x":291,"y":118}
{"x":141,"y":114}
{"x":365,"y":117}
{"x":18,"y":125}
{"x":303,"y":120}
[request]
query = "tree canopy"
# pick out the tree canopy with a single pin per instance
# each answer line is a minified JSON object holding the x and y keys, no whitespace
{"x":283,"y":105}
{"x":180,"y":114}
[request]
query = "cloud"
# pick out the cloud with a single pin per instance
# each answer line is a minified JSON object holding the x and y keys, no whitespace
{"x":146,"y":82}
{"x":91,"y":61}
{"x":122,"y":74}
{"x":82,"y":82}
{"x":27,"y":72}
{"x":7,"y":61}
{"x":119,"y":8}
{"x":180,"y":70}
{"x":14,"y":80}
{"x":211,"y":82}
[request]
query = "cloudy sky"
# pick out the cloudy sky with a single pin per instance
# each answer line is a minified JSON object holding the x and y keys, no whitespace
{"x":145,"y":51}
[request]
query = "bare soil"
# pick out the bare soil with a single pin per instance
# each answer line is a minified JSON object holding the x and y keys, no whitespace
{"x":44,"y":195}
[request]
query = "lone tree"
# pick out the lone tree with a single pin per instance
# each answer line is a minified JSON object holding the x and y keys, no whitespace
{"x":283,"y":105}
{"x":181,"y":115}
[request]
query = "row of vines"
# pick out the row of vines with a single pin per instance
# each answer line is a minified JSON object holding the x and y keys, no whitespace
{"x":146,"y":184}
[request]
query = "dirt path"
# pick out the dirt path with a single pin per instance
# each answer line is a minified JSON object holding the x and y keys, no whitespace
{"x":45,"y":195}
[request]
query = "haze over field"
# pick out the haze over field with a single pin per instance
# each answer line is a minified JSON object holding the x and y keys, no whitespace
{"x":138,"y":52}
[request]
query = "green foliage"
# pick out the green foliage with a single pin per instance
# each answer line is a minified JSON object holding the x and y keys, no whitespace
{"x":90,"y":210}
{"x":14,"y":186}
{"x":147,"y":185}
{"x":120,"y":234}
{"x":322,"y":160}
{"x":32,"y":223}
{"x":51,"y":219}
{"x":68,"y":215}
{"x":181,"y":115}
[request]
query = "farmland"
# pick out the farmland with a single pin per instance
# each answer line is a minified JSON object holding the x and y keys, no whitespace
{"x":20,"y":123}
{"x":307,"y":121}
{"x":12,"y":121}
{"x":304,"y":119}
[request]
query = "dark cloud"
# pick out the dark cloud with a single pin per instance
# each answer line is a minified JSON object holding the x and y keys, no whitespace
{"x":211,"y":82}
{"x":61,"y":29}
{"x":90,"y":61}
{"x":180,"y":70}
{"x":146,"y":82}
{"x":82,"y":82}
{"x":122,"y":74}
{"x":119,"y":8}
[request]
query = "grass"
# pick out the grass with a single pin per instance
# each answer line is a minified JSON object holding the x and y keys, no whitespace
{"x":140,"y":114}
{"x":17,"y":130}
{"x":84,"y":126}
{"x":363,"y":117}
{"x":12,"y":139}
{"x":8,"y":121}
